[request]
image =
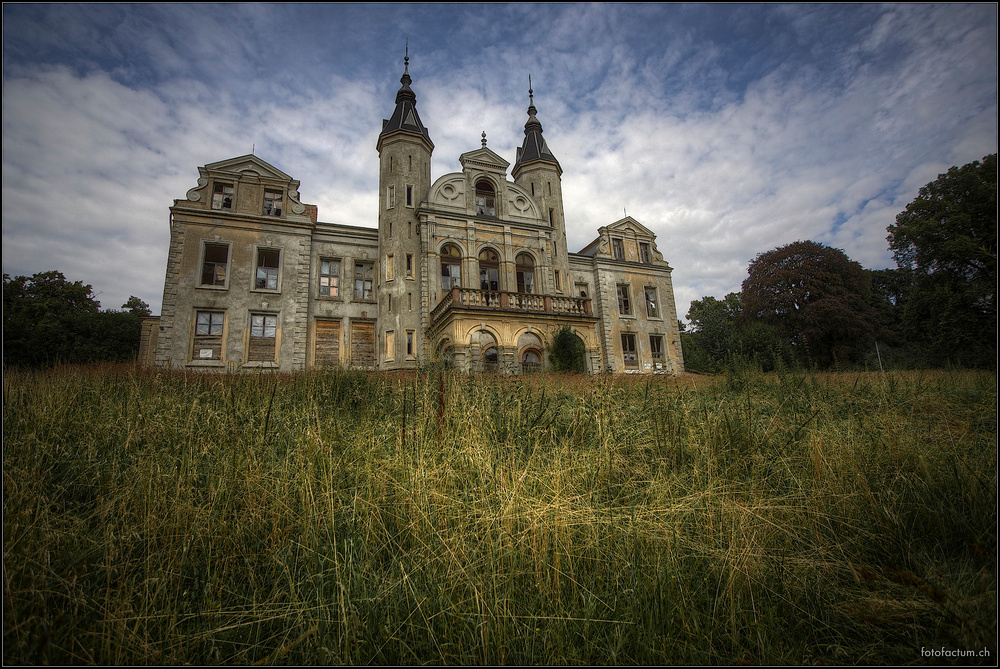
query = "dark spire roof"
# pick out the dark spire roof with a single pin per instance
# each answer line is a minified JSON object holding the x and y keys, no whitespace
{"x":534,"y":147}
{"x":405,"y":117}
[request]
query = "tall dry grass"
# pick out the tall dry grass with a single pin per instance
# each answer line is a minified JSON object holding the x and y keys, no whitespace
{"x":354,"y":518}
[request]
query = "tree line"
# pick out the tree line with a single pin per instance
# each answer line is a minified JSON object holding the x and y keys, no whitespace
{"x":48,"y":319}
{"x":807,"y":304}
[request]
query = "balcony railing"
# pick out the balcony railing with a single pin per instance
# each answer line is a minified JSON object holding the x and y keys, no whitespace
{"x":472,"y":298}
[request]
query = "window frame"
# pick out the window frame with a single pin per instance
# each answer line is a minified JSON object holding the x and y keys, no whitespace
{"x":524,"y":270}
{"x":367,"y":279}
{"x":618,"y":248}
{"x":276,"y":203}
{"x":450,"y":261}
{"x":219,"y":196}
{"x":333,"y":283}
{"x":485,"y":198}
{"x":204,"y":261}
{"x":632,"y":351}
{"x":390,"y":267}
{"x":271,"y":339}
{"x":645,"y":253}
{"x":389,"y":354}
{"x":646,"y":290}
{"x":208,"y":340}
{"x":656,"y":352}
{"x":270,"y":272}
{"x":624,"y":299}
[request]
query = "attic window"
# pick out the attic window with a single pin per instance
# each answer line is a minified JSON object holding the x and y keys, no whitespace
{"x":222,"y":197}
{"x":618,"y":248}
{"x":485,"y":199}
{"x":272,"y":202}
{"x":644,"y":255}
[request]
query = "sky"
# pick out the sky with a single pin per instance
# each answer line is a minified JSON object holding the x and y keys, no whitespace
{"x":726,"y":129}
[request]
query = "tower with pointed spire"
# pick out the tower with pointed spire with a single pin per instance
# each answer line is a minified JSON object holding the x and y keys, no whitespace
{"x":537,"y":171}
{"x":404,"y":148}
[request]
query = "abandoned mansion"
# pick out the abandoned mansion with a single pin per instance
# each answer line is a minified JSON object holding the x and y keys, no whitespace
{"x":470,"y":270}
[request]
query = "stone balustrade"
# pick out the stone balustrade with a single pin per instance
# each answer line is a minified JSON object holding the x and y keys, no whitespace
{"x":473,"y":298}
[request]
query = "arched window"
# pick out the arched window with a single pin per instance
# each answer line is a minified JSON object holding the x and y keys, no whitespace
{"x":485,"y":199}
{"x":451,"y":267}
{"x":531,"y":360}
{"x":525,"y":266}
{"x":490,"y":358}
{"x":489,"y":270}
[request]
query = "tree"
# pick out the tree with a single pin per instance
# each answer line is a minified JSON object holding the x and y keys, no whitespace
{"x":817,"y":299}
{"x":136,"y":306}
{"x":48,"y":319}
{"x":567,"y":352}
{"x":947,"y":239}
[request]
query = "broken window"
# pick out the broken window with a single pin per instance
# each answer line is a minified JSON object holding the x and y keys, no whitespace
{"x":525,"y":266}
{"x":485,"y":199}
{"x":222,"y":196}
{"x":410,"y":344}
{"x":624,"y":303}
{"x":451,"y":267}
{"x":272,"y":202}
{"x":489,"y":270}
{"x":644,"y":255}
{"x":267,"y":269}
{"x":208,"y":335}
{"x":628,"y":351}
{"x":215,"y":262}
{"x":652,"y":311}
{"x":364,"y":273}
{"x":656,"y":347}
{"x":329,"y":277}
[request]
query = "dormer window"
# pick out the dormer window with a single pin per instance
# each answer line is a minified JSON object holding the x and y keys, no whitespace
{"x":272,"y":202}
{"x":644,"y":255}
{"x":222,"y":196}
{"x":618,"y":248}
{"x":485,"y":199}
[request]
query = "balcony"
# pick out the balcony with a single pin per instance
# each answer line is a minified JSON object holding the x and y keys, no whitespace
{"x":502,"y":301}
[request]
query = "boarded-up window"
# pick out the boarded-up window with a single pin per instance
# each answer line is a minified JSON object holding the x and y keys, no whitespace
{"x":362,"y":344}
{"x":263,"y":334}
{"x":208,"y":335}
{"x":327,"y":343}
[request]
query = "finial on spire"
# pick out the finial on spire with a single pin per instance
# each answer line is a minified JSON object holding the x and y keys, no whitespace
{"x":531,"y":97}
{"x":406,"y":57}
{"x":484,"y":139}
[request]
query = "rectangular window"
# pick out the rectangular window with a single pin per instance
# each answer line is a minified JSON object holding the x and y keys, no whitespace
{"x":267,"y":269}
{"x":390,"y":268}
{"x":644,"y":255}
{"x":263,"y":333}
{"x":652,"y":311}
{"x":656,"y":347}
{"x":364,"y":272}
{"x":214,"y":264}
{"x":390,"y":345}
{"x":409,"y":344}
{"x":390,"y":197}
{"x":618,"y":248}
{"x":558,"y":281}
{"x":409,"y":196}
{"x":624,"y":303}
{"x":628,"y":351}
{"x":272,"y":202}
{"x":208,"y":335}
{"x":329,"y":277}
{"x":222,"y":196}
{"x":409,"y":265}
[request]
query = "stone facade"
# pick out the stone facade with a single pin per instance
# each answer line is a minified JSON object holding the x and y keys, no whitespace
{"x":471,"y":270}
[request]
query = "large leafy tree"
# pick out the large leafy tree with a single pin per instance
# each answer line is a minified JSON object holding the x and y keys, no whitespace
{"x":49,"y":319}
{"x":946,"y":239}
{"x":817,"y":299}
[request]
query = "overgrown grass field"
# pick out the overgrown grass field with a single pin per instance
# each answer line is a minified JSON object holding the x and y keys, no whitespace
{"x":357,"y":518}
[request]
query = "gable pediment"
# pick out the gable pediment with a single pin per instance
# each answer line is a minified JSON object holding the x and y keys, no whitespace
{"x":249,"y":165}
{"x":630,"y":226}
{"x":483,"y":158}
